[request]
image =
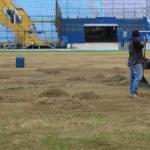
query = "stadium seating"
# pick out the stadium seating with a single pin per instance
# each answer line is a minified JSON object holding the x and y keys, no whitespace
{"x":42,"y":13}
{"x":81,"y":8}
{"x":47,"y":32}
{"x":7,"y":35}
{"x":99,"y":6}
{"x":123,"y":9}
{"x":21,"y":28}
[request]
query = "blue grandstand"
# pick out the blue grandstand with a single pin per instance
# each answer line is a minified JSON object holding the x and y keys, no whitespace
{"x":43,"y":17}
{"x":78,"y":21}
{"x":125,"y":9}
{"x":7,"y":35}
{"x":81,"y":8}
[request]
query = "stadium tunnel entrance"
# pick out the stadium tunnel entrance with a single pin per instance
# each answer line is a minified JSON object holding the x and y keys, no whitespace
{"x":100,"y":33}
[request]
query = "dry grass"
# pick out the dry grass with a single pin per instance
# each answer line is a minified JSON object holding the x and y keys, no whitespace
{"x":49,"y":71}
{"x":76,"y":78}
{"x":78,"y":100}
{"x":87,"y":96}
{"x":116,"y":80}
{"x":1,"y":98}
{"x":53,"y":93}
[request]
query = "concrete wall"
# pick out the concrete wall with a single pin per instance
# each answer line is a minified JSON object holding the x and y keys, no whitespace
{"x":73,"y":29}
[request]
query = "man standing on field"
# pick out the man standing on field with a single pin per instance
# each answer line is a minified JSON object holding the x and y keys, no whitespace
{"x":135,"y":62}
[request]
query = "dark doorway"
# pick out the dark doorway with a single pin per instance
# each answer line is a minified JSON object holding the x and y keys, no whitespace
{"x":101,"y":34}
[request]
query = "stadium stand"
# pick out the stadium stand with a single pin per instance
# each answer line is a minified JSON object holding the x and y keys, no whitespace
{"x":52,"y":21}
{"x":21,"y":28}
{"x":123,"y":9}
{"x":7,"y":35}
{"x":43,"y":17}
{"x":81,"y":8}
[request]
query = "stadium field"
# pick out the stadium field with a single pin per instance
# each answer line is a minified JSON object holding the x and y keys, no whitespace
{"x":71,"y":101}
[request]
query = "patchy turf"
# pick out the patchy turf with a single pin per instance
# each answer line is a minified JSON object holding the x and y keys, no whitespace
{"x":49,"y":71}
{"x":53,"y":93}
{"x":87,"y":96}
{"x":116,"y":80}
{"x":61,"y":101}
{"x":99,"y":76}
{"x":76,"y":78}
{"x":1,"y":98}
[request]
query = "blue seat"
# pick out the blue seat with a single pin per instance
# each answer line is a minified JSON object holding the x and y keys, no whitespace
{"x":81,"y":9}
{"x":41,"y":10}
{"x":124,"y":9}
{"x":6,"y":34}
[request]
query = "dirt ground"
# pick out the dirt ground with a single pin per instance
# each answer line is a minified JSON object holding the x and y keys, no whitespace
{"x":66,"y":82}
{"x":71,"y":82}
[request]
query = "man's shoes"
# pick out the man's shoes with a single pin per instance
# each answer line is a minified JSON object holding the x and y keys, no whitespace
{"x":134,"y":95}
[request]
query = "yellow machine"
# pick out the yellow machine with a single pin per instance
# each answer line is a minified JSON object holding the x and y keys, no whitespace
{"x":22,"y":30}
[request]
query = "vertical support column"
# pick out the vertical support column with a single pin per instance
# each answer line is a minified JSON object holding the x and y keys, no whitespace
{"x":6,"y":29}
{"x":18,"y":32}
{"x":24,"y":38}
{"x":15,"y":17}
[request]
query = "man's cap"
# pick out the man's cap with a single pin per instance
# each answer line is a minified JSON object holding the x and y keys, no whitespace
{"x":135,"y":33}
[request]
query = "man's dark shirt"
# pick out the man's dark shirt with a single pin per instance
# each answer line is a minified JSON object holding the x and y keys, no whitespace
{"x":135,"y":52}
